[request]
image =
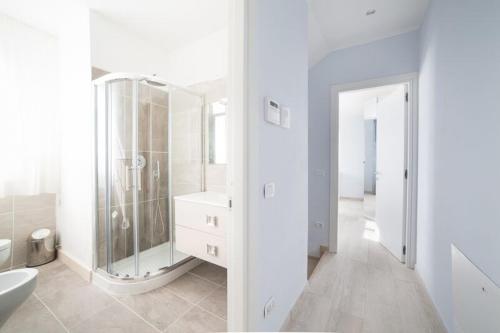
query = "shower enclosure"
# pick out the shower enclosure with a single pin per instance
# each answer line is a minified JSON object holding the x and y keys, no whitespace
{"x":148,"y":149}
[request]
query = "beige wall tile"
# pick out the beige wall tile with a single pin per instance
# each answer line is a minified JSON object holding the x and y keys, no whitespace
{"x":6,"y":205}
{"x":216,"y":178}
{"x":32,"y":202}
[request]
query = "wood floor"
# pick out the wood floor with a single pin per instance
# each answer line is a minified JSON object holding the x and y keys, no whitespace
{"x":363,"y":288}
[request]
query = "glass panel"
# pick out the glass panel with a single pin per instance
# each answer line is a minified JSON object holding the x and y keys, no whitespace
{"x":102,"y":252}
{"x":186,"y":150}
{"x":154,"y":231}
{"x":120,"y":157}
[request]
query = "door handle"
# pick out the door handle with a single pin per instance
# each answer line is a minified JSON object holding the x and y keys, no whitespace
{"x":212,"y":250}
{"x":211,"y":221}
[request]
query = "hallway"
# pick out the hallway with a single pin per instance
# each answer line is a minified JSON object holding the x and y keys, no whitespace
{"x":363,"y":288}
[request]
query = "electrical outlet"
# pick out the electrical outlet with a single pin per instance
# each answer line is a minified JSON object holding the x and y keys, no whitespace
{"x":268,"y":307}
{"x":318,"y":225}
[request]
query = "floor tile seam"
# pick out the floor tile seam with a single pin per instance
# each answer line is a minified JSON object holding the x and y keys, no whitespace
{"x":190,"y":307}
{"x":51,"y":312}
{"x":210,"y":312}
{"x":130,"y":309}
{"x":205,"y":279}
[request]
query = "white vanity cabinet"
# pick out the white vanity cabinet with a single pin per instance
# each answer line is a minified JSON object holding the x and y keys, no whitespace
{"x":200,"y":225}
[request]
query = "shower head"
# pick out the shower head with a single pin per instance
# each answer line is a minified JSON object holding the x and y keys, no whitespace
{"x":155,"y":83}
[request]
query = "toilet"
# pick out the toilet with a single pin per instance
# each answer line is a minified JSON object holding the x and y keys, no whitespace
{"x":15,"y":285}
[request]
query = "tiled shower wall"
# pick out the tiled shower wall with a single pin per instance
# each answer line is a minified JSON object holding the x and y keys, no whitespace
{"x":19,"y":217}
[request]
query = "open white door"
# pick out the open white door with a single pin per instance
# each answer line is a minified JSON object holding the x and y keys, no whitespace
{"x":390,"y":181}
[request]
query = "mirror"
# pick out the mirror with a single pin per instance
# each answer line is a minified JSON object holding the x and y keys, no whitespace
{"x":217,"y":133}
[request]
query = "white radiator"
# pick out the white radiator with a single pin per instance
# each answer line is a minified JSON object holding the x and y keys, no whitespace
{"x":476,"y":298}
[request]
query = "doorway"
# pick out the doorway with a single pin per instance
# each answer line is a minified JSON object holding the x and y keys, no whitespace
{"x":373,"y":167}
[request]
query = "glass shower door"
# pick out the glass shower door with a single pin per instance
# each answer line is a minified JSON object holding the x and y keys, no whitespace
{"x":153,"y":196}
{"x":122,"y":178}
{"x":134,"y":233}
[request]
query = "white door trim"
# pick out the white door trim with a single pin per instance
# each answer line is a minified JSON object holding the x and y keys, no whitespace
{"x":237,"y":187}
{"x":411,"y":155}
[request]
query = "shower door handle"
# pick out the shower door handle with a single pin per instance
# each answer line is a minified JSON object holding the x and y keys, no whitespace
{"x":127,"y":178}
{"x":139,"y":179}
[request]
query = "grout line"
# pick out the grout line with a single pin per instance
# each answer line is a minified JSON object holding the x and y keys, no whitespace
{"x":135,"y":313}
{"x":116,"y":299}
{"x":205,"y":279}
{"x":181,"y":315}
{"x":50,"y":311}
{"x":211,"y":313}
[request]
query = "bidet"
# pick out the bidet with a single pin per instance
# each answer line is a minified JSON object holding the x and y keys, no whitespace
{"x":15,"y":288}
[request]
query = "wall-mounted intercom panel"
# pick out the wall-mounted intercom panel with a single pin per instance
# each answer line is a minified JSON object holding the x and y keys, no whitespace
{"x":276,"y":114}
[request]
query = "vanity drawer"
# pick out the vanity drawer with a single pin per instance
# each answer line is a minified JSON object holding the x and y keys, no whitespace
{"x":201,"y":245}
{"x":203,"y":217}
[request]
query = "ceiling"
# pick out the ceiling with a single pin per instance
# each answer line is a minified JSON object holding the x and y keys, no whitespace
{"x":336,"y":24}
{"x":333,"y":24}
{"x":169,"y":24}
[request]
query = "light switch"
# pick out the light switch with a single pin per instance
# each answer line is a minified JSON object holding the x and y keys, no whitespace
{"x":285,"y":117}
{"x":269,"y":190}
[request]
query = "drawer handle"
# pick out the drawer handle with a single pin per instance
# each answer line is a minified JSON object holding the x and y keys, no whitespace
{"x":212,"y":250}
{"x":211,"y":221}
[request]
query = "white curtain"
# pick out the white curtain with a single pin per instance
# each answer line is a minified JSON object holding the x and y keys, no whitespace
{"x":29,"y":131}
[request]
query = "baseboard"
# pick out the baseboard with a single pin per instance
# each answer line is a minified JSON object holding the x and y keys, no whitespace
{"x":323,"y":249}
{"x":353,"y":199}
{"x":75,"y":265}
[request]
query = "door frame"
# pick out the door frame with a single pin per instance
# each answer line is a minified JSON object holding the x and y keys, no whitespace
{"x":410,"y":237}
{"x":237,"y":170}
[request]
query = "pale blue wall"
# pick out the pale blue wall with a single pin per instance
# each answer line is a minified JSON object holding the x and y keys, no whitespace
{"x":459,"y":146}
{"x":387,"y":57}
{"x":277,"y":235}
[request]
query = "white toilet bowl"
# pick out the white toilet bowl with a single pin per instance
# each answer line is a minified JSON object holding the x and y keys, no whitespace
{"x":15,"y":286}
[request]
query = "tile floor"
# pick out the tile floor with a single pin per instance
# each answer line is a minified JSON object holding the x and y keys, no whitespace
{"x":362,"y":288}
{"x":64,"y":302}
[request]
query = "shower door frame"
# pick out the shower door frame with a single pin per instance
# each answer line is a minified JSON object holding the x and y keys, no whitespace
{"x":106,"y":80}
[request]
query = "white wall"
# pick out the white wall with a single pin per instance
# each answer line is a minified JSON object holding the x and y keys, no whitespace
{"x":387,"y":57}
{"x":277,"y":227}
{"x":115,"y":49}
{"x":76,"y":200}
{"x":459,"y":140}
{"x":351,"y":146}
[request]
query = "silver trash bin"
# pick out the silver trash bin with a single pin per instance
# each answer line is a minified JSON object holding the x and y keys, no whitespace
{"x":41,"y":247}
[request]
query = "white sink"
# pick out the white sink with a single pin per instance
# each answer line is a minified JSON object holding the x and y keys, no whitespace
{"x":15,"y":287}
